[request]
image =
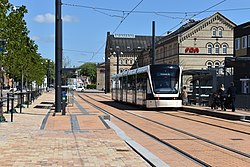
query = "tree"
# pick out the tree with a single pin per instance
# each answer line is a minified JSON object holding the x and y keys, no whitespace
{"x":89,"y":69}
{"x":22,"y":59}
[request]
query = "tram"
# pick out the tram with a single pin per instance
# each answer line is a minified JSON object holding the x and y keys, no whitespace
{"x":151,"y":86}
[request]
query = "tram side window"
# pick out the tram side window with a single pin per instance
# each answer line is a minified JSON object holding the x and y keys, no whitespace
{"x":131,"y":82}
{"x":121,"y":83}
{"x":117,"y":84}
{"x":124,"y":83}
{"x":141,"y":82}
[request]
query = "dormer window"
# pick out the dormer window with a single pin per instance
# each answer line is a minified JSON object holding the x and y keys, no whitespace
{"x":214,"y":32}
{"x":220,"y":32}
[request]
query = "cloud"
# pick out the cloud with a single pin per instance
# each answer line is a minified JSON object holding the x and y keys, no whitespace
{"x":46,"y":18}
{"x":50,"y":18}
{"x":50,"y":38}
{"x":35,"y":38}
{"x":68,"y":18}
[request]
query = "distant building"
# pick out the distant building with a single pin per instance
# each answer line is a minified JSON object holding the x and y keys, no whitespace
{"x":196,"y":45}
{"x":127,"y":47}
{"x":100,"y":76}
{"x":241,"y":63}
{"x":242,"y":55}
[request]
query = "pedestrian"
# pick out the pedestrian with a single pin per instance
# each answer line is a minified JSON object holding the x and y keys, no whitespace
{"x":214,"y":100}
{"x":222,"y":96}
{"x":231,"y":92}
{"x":184,"y":96}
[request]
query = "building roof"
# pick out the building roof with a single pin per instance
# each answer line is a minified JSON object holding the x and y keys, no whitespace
{"x":129,"y":42}
{"x":192,"y":24}
{"x":180,"y":30}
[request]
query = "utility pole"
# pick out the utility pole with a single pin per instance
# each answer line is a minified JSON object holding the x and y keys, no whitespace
{"x":117,"y":58}
{"x":153,"y":43}
{"x":58,"y":57}
{"x":48,"y":74}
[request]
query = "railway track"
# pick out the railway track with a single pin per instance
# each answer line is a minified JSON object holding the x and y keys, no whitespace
{"x":154,"y":127}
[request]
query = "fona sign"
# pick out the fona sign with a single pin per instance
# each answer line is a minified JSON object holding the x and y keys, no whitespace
{"x":192,"y":50}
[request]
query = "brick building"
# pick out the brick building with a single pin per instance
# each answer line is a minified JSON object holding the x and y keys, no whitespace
{"x":196,"y":45}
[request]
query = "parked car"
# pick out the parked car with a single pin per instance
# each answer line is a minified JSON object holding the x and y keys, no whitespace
{"x":11,"y":89}
{"x":80,"y":89}
{"x":73,"y":87}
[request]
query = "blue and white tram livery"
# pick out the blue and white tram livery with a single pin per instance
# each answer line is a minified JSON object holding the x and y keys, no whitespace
{"x":152,"y":86}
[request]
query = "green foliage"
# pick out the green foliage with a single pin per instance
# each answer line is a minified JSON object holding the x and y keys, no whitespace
{"x":22,"y":58}
{"x":89,"y":69}
{"x":91,"y":86}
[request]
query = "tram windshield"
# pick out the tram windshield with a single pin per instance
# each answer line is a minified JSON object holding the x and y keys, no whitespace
{"x":165,"y":79}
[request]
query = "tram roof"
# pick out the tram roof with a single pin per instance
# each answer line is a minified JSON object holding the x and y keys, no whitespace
{"x":132,"y":72}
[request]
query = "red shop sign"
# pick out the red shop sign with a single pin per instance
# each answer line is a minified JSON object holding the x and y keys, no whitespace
{"x":192,"y":50}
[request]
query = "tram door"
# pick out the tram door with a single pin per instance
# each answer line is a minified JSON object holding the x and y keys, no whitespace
{"x":117,"y":89}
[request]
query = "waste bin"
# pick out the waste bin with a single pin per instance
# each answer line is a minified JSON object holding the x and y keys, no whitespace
{"x":64,"y":102}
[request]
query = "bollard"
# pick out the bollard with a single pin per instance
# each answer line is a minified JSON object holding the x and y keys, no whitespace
{"x":20,"y":105}
{"x":12,"y":101}
{"x":8,"y":102}
{"x":2,"y":119}
{"x":27,"y":99}
{"x":63,"y":107}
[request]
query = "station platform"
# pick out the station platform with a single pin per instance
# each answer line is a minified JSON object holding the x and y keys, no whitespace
{"x":40,"y":137}
{"x":238,"y":114}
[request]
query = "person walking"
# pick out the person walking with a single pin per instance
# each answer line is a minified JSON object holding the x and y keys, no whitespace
{"x":231,"y":92}
{"x":222,"y":96}
{"x":184,"y":96}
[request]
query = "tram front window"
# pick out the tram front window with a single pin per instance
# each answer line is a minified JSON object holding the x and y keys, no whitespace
{"x":165,"y":79}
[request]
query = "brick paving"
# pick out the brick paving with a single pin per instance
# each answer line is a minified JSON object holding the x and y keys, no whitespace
{"x":77,"y":139}
{"x":207,"y":152}
{"x":23,"y":143}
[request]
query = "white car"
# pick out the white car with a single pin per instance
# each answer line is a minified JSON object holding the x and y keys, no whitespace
{"x":11,"y":89}
{"x":73,"y":87}
{"x":80,"y":89}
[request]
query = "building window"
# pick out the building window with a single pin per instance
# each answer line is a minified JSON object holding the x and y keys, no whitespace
{"x":214,"y":31}
{"x":237,"y":43}
{"x":216,"y":65}
{"x":209,"y":65}
{"x":217,"y":48}
{"x":131,"y":61}
{"x":220,"y":32}
{"x":244,"y":42}
{"x":224,"y":49}
{"x":209,"y":48}
{"x":248,"y":40}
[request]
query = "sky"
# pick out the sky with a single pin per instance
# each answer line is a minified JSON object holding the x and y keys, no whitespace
{"x":86,"y":22}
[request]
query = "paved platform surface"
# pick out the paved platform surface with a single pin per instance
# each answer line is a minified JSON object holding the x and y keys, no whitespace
{"x":80,"y":138}
{"x":28,"y":142}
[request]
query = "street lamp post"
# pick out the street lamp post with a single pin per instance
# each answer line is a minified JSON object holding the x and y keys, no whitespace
{"x":48,"y":74}
{"x":2,"y":118}
{"x":1,"y":70}
{"x":117,"y":59}
{"x":58,"y":57}
{"x":136,"y":57}
{"x":117,"y":53}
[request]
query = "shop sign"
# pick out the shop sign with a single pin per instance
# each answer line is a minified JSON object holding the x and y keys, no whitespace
{"x":192,"y":50}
